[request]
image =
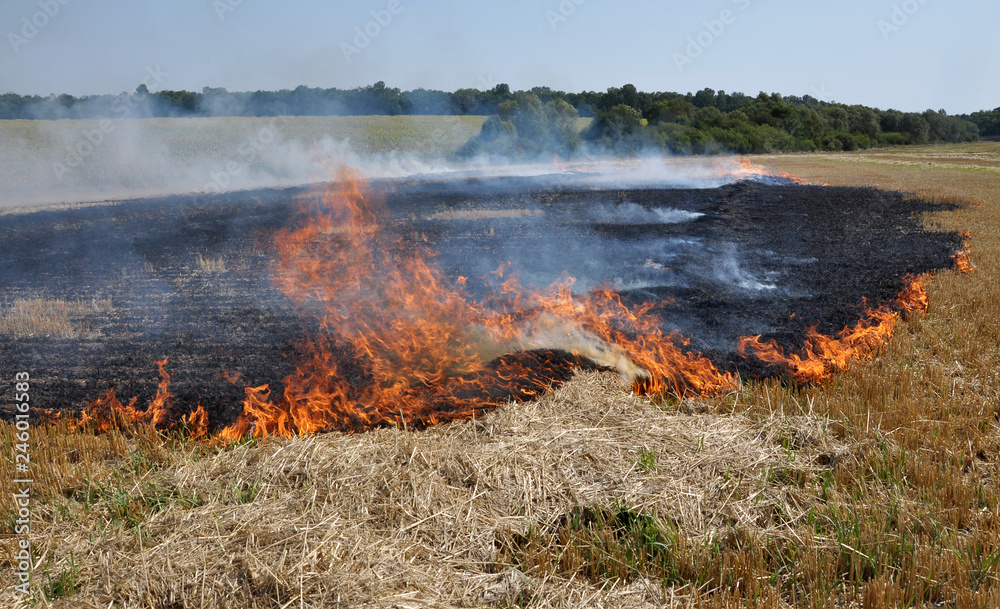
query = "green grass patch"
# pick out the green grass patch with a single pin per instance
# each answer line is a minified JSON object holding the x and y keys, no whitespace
{"x":64,"y":584}
{"x":616,"y":543}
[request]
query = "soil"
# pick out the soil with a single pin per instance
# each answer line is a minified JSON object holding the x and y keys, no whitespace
{"x":743,"y":259}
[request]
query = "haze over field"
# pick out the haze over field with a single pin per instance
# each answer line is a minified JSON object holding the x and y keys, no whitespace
{"x":93,"y":160}
{"x":39,"y":162}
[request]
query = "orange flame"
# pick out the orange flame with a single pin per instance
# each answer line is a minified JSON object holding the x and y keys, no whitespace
{"x":397,"y":344}
{"x":159,"y":409}
{"x":822,"y":355}
{"x":963,"y":257}
{"x":746,"y":168}
{"x":107,"y":412}
{"x":196,"y":422}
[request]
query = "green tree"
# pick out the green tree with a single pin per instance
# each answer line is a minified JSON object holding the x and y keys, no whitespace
{"x":861,"y":119}
{"x":618,"y":129}
{"x":675,"y":111}
{"x":916,"y":127}
{"x":988,"y":121}
{"x":812,"y":125}
{"x":837,"y":118}
{"x":464,"y":100}
{"x":889,"y":121}
{"x":708,"y":117}
{"x":523,"y":126}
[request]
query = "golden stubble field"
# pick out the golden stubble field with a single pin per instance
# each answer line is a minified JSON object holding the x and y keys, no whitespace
{"x":876,"y":490}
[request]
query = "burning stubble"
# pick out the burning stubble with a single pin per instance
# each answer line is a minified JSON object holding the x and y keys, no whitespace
{"x":427,"y":346}
{"x":738,"y":493}
{"x":405,"y":327}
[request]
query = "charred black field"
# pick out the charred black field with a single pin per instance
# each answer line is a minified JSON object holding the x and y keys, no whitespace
{"x":191,"y":279}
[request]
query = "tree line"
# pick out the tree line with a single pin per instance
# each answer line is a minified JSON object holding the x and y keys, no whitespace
{"x":709,"y":122}
{"x":625,"y":119}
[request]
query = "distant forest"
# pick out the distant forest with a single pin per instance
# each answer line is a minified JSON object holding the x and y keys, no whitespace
{"x":625,"y":119}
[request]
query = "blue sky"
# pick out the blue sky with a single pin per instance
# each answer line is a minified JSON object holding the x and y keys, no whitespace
{"x":905,"y":54}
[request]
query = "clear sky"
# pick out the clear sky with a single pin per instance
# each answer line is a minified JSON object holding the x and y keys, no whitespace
{"x":907,"y":54}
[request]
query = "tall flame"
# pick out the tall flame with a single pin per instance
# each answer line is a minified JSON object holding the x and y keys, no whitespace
{"x":107,"y":412}
{"x":397,"y":343}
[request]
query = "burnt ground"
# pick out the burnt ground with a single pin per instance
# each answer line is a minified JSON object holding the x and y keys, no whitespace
{"x":743,"y":259}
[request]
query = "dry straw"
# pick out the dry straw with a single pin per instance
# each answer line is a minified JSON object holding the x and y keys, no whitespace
{"x":403,"y":518}
{"x":50,"y":317}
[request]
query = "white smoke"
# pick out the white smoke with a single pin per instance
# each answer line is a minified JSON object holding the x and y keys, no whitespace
{"x":69,"y":161}
{"x":629,"y":212}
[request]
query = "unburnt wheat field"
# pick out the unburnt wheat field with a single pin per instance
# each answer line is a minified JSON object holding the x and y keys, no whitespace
{"x":771,"y":383}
